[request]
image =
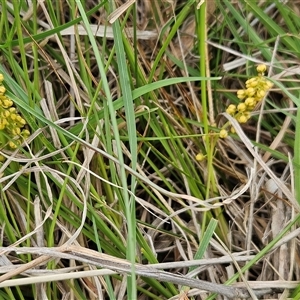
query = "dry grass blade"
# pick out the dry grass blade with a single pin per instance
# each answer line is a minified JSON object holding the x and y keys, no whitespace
{"x":119,"y":265}
{"x":119,"y":11}
{"x":107,"y":32}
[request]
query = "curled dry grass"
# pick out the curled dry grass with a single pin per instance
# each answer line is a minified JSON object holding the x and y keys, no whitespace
{"x":66,"y":195}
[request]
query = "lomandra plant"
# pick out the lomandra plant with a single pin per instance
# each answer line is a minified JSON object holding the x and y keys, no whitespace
{"x":12,"y":125}
{"x":256,"y":89}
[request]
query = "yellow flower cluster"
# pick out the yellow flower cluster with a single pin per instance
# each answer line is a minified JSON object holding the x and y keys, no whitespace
{"x":11,"y":123}
{"x":256,"y":89}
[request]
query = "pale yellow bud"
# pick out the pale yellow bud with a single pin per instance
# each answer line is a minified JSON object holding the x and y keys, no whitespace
{"x":241,"y":94}
{"x":5,"y":114}
{"x":261,"y":68}
{"x":16,"y":131}
{"x":21,"y":120}
{"x":250,"y":102}
{"x":200,"y":157}
{"x":231,"y":109}
{"x":252,"y":82}
{"x":260,"y":94}
{"x":242,"y":119}
{"x":269,"y":84}
{"x":2,"y":90}
{"x":223,"y":133}
{"x":241,"y":107}
{"x":12,"y":145}
{"x":13,"y":116}
{"x":247,"y":115}
{"x":26,"y":133}
{"x":250,"y":91}
{"x":7,"y":103}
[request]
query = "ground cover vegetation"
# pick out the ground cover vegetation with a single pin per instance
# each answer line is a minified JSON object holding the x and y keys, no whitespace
{"x":149,"y":149}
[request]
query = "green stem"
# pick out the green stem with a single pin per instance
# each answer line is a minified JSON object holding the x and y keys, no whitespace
{"x":297,"y":158}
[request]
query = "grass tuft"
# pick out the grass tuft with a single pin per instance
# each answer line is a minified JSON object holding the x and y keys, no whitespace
{"x":120,"y":175}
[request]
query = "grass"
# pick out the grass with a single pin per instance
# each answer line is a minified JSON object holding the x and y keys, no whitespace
{"x":106,"y":198}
